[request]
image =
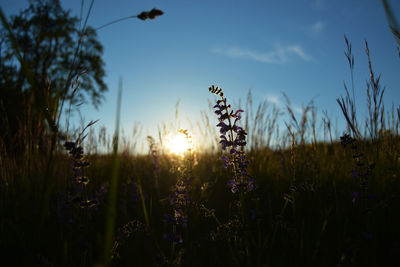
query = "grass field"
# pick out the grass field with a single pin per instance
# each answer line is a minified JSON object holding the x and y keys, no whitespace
{"x":309,"y":204}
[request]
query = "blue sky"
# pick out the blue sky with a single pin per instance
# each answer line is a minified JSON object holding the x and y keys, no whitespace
{"x":270,"y":47}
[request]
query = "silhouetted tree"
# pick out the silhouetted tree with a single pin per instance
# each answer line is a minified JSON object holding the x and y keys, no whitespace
{"x":38,"y":60}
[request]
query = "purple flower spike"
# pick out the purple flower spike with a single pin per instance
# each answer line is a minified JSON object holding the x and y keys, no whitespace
{"x":233,"y":142}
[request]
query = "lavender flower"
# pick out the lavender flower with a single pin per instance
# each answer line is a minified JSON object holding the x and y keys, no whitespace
{"x":97,"y":198}
{"x":125,"y":233}
{"x":179,"y":202}
{"x":153,"y":150}
{"x":232,"y":139}
{"x":78,"y":196}
{"x":79,"y":163}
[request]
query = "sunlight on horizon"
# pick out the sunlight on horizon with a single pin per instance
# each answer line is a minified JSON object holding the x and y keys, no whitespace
{"x":179,"y":143}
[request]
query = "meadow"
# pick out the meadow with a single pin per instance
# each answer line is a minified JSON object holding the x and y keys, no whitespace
{"x":259,"y":196}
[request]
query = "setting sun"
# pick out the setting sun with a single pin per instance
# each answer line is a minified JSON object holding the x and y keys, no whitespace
{"x":179,"y":143}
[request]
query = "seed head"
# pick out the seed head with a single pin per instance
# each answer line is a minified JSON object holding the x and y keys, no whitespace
{"x":152,"y":14}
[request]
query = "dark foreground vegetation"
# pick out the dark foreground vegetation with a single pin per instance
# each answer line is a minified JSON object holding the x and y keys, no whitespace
{"x":309,"y":204}
{"x":307,"y":208}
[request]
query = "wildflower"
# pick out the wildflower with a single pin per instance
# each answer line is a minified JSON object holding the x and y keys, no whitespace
{"x":232,"y":139}
{"x":78,"y":196}
{"x":223,"y":127}
{"x":179,"y":201}
{"x":78,"y":162}
{"x":224,"y":142}
{"x":154,"y":159}
{"x":97,"y":198}
{"x":124,"y":233}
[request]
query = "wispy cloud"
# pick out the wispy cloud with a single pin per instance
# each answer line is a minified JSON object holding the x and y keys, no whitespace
{"x":318,"y":26}
{"x":297,"y":109}
{"x":277,"y":100}
{"x":279,"y":55}
{"x":297,"y":50}
{"x":274,"y":99}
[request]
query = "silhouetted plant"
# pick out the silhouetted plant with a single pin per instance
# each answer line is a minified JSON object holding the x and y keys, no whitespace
{"x":152,"y":14}
{"x":154,"y":154}
{"x":125,"y":233}
{"x":393,"y":24}
{"x":233,"y":139}
{"x":180,"y":203}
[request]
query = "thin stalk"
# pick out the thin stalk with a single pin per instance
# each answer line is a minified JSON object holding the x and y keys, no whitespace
{"x":112,"y":203}
{"x":115,"y":21}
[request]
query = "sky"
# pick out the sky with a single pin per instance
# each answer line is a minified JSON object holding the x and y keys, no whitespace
{"x":270,"y":46}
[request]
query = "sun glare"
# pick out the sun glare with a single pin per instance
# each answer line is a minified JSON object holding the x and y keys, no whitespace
{"x":179,"y":144}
